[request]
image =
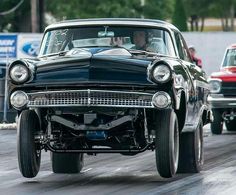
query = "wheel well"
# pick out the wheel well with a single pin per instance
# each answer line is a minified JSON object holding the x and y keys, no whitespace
{"x":181,"y":112}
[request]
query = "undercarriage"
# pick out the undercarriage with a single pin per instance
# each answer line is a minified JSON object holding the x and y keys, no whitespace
{"x":125,"y":131}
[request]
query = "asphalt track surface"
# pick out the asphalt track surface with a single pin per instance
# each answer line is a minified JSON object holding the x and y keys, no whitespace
{"x":117,"y":174}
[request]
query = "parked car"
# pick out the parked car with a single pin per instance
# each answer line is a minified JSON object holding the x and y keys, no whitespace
{"x":91,"y":90}
{"x":223,"y":93}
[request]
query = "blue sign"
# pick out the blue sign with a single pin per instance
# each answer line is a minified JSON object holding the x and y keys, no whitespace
{"x":31,"y":48}
{"x":8,"y":46}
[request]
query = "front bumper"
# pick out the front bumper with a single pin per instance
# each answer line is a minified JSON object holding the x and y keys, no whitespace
{"x":88,"y":98}
{"x":219,"y":101}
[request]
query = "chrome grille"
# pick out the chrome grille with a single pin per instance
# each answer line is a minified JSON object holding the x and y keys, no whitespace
{"x":228,"y":88}
{"x":91,"y":98}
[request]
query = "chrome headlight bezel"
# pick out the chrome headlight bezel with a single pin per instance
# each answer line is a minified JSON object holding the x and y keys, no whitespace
{"x":164,"y":70}
{"x":215,"y":85}
{"x":19,"y":66}
{"x":163,"y":103}
{"x":25,"y":100}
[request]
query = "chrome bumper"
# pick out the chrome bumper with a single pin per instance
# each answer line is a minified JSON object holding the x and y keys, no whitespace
{"x":219,"y":101}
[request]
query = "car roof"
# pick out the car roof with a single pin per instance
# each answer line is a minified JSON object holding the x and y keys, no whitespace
{"x":112,"y":21}
{"x":232,"y":46}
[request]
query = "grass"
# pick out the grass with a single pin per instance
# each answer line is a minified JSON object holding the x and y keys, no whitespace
{"x":212,"y":28}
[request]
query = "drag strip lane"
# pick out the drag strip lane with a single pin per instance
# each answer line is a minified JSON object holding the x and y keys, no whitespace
{"x":117,"y":174}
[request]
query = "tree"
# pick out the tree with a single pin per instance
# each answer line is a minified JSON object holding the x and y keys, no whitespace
{"x":179,"y":17}
{"x":224,"y":9}
{"x":197,"y":10}
{"x":18,"y":20}
{"x":93,"y":8}
{"x":158,"y":9}
{"x":155,"y":9}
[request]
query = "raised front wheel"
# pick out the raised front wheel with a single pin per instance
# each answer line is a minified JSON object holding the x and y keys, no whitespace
{"x":167,"y":143}
{"x":29,"y":152}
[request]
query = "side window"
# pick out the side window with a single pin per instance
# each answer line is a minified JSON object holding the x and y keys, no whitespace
{"x":181,"y":47}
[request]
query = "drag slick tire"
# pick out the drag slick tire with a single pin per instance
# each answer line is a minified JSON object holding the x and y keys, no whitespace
{"x":167,"y":143}
{"x":67,"y":162}
{"x":217,"y":123}
{"x":231,"y":125}
{"x":29,"y":152}
{"x":191,"y":151}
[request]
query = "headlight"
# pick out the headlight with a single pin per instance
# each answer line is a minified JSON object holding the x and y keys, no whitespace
{"x":215,"y":85}
{"x":161,"y":100}
{"x":161,"y":73}
{"x":19,"y":73}
{"x":19,"y":99}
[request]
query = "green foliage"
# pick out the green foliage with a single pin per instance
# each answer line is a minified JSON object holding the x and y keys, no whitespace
{"x":63,"y":9}
{"x":179,"y":17}
{"x":199,"y":7}
{"x":16,"y":21}
{"x":158,"y":9}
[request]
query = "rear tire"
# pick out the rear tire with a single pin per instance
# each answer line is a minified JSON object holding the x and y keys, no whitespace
{"x":217,"y":123}
{"x":67,"y":162}
{"x":167,"y":143}
{"x":191,"y":156}
{"x":231,"y":125}
{"x":29,"y":153}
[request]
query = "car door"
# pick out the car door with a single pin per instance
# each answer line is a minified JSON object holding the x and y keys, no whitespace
{"x":190,"y":68}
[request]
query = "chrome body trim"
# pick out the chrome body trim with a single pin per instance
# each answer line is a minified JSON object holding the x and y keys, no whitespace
{"x":221,"y":101}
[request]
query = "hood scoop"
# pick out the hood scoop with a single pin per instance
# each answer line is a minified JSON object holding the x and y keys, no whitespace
{"x":87,"y":53}
{"x":114,"y":52}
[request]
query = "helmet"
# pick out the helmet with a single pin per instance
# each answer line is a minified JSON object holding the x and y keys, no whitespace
{"x":192,"y":47}
{"x":141,"y":30}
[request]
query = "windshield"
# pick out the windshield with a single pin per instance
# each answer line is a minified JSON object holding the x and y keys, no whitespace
{"x":152,"y":40}
{"x":230,"y":58}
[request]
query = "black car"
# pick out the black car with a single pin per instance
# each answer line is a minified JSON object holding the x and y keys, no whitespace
{"x":110,"y":86}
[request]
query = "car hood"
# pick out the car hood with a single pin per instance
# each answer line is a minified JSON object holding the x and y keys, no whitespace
{"x":226,"y":74}
{"x":91,"y":66}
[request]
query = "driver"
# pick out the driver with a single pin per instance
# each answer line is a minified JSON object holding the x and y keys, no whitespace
{"x":140,"y":41}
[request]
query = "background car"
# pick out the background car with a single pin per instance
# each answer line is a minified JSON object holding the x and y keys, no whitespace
{"x":223,"y":93}
{"x":85,"y":94}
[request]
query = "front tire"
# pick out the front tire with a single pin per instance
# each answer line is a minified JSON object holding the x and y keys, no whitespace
{"x":217,"y":123}
{"x":191,"y":151}
{"x":167,"y":143}
{"x":67,"y":162}
{"x":29,"y":152}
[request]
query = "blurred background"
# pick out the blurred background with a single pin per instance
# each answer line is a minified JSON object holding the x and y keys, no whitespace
{"x":187,"y":15}
{"x":208,"y":25}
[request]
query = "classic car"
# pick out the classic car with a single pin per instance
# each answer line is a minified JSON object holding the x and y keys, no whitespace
{"x":94,"y":89}
{"x":223,"y":92}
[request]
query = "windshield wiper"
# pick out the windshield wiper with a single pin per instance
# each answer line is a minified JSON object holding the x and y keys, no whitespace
{"x":147,"y":53}
{"x":141,"y":52}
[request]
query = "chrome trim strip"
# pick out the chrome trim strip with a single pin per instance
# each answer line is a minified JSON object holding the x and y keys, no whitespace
{"x":222,"y":102}
{"x":86,"y":90}
{"x":221,"y":99}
